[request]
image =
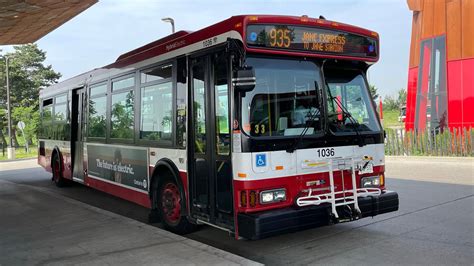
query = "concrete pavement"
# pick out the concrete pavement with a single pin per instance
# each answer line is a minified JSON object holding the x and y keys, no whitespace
{"x":39,"y":226}
{"x":434,"y":225}
{"x":451,"y":170}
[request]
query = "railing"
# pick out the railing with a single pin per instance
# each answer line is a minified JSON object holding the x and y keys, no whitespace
{"x":458,"y":142}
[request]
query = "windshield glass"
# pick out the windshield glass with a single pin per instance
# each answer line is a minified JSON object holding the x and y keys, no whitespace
{"x":347,"y":89}
{"x":285,"y":99}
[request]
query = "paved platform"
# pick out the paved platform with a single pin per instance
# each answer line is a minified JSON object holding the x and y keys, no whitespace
{"x":449,"y":170}
{"x":38,"y":226}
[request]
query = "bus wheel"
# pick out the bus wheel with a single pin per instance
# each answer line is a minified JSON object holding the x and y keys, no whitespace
{"x":56,"y":169}
{"x":169,"y":204}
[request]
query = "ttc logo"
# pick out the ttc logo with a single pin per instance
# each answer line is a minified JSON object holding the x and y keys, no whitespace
{"x":261,"y":160}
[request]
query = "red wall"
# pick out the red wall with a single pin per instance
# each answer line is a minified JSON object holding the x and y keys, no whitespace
{"x":461,"y":93}
{"x":411,"y":98}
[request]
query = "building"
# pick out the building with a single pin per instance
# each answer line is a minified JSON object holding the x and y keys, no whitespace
{"x":441,"y":69}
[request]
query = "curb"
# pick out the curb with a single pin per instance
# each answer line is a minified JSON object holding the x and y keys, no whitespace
{"x":17,"y":160}
{"x":428,"y":158}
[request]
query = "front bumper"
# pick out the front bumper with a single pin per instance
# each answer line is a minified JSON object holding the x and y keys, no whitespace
{"x":269,"y":223}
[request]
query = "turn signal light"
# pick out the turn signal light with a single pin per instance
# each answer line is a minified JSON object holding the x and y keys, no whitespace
{"x":243,"y":198}
{"x":253,"y":198}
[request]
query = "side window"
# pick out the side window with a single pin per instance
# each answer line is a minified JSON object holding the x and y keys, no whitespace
{"x":47,"y":111}
{"x":60,"y":108}
{"x":156,"y":114}
{"x":122,"y":109}
{"x":97,"y":111}
{"x":46,"y":118}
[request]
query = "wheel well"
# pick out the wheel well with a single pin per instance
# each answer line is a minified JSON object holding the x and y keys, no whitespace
{"x":166,"y":170}
{"x":56,"y":152}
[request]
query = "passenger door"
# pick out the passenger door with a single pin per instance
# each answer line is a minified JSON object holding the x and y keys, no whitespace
{"x":210,"y":172}
{"x":77,"y":133}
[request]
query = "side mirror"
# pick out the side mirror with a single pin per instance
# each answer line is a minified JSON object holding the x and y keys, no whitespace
{"x":244,"y":79}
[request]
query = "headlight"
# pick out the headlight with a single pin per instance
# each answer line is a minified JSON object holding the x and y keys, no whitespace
{"x":372,"y":181}
{"x":270,"y":196}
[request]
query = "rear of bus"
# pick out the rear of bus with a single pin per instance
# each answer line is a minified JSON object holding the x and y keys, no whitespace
{"x":308,"y":146}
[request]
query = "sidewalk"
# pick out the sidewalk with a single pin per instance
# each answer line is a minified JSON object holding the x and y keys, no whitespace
{"x":38,"y":226}
{"x":452,"y":170}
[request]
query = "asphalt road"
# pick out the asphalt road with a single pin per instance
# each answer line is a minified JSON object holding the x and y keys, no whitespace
{"x":435,"y":225}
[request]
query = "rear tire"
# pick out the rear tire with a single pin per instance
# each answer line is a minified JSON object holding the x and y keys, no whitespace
{"x":169,"y":208}
{"x":58,"y":178}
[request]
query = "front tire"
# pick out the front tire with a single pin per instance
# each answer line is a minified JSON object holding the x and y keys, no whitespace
{"x":58,"y":178}
{"x":170,"y":207}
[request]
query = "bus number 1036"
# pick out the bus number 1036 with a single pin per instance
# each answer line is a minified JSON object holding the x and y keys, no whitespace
{"x":329,"y":152}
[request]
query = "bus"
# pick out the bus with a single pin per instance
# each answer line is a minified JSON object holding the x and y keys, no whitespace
{"x":257,"y":125}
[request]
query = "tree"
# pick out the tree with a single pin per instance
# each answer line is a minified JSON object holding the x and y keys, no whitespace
{"x":402,"y":96}
{"x":28,"y":75}
{"x":31,"y":119}
{"x":373,"y":92}
{"x":394,"y":103}
{"x":390,"y":103}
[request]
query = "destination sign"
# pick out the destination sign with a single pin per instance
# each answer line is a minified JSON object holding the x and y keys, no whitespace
{"x":310,"y":39}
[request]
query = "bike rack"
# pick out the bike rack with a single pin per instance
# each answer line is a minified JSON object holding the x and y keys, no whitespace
{"x":349,"y":196}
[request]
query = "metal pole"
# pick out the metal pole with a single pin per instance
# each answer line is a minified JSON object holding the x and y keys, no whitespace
{"x":11,"y":151}
{"x":170,"y":20}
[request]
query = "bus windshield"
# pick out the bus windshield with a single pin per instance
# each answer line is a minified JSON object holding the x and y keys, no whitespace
{"x":349,"y":103}
{"x":285,"y":99}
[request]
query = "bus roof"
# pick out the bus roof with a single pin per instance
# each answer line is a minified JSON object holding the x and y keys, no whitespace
{"x":186,"y":42}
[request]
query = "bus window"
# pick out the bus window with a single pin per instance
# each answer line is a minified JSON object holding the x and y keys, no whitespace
{"x":98,"y":90}
{"x":347,"y":90}
{"x":60,"y":112}
{"x":123,"y":83}
{"x":61,"y":99}
{"x":222,"y":106}
{"x":199,"y":106}
{"x":181,"y":88}
{"x":122,"y":116}
{"x":47,"y":110}
{"x":97,"y":116}
{"x":156,"y":73}
{"x":156,"y":112}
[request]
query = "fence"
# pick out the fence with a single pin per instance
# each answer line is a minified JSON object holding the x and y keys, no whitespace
{"x":458,"y":142}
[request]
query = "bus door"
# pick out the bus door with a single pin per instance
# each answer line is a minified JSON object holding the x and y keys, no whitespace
{"x":77,"y":128}
{"x":210,"y":172}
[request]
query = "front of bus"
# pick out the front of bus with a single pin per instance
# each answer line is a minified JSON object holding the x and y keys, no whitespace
{"x":308,"y":147}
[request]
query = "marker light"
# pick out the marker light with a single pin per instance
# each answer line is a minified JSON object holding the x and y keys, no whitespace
{"x":270,"y":196}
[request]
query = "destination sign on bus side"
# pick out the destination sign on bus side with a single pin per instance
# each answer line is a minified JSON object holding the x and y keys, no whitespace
{"x":310,"y":39}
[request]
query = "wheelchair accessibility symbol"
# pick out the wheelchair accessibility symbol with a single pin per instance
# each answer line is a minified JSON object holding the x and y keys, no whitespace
{"x":261,"y":160}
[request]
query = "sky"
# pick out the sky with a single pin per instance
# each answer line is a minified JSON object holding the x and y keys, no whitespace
{"x":97,"y":36}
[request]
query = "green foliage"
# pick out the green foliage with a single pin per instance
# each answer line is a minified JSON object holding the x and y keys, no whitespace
{"x":28,"y":75}
{"x":402,"y":96}
{"x":21,"y":154}
{"x":390,"y":119}
{"x":390,"y":103}
{"x":31,"y":118}
{"x":394,"y":103}
{"x":373,"y":92}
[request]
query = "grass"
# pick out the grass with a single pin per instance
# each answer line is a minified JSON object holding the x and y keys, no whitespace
{"x":21,"y":153}
{"x":390,"y":119}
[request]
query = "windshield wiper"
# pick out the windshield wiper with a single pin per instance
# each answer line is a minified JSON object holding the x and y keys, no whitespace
{"x":346,"y":113}
{"x":309,"y":122}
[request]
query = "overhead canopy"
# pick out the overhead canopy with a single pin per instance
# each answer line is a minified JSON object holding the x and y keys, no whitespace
{"x":26,"y":21}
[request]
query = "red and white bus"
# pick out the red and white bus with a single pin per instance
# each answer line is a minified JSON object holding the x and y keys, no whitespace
{"x":257,"y":125}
